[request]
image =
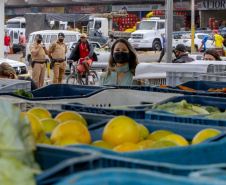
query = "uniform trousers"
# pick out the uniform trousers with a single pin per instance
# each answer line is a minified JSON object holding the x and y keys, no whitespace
{"x":58,"y":72}
{"x":38,"y":74}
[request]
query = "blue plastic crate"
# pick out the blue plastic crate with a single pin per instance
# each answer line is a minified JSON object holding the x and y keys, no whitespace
{"x":121,"y":176}
{"x":200,"y":86}
{"x":63,"y":91}
{"x":202,"y":100}
{"x":201,"y":154}
{"x":200,"y":119}
{"x":218,"y":174}
{"x":58,"y":162}
{"x":137,"y":113}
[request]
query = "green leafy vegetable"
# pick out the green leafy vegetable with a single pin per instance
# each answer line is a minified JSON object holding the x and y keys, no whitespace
{"x":16,"y":144}
{"x":22,"y":92}
{"x":217,"y":116}
{"x":184,"y":108}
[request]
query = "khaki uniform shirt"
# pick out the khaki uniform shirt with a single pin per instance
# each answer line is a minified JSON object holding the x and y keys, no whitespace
{"x":41,"y":57}
{"x":58,"y":50}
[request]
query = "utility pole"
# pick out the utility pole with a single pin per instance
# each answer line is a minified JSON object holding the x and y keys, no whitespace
{"x":192,"y":26}
{"x":2,"y":25}
{"x":169,"y":31}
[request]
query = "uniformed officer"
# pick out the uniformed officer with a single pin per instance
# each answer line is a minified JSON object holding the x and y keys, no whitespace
{"x":57,"y":51}
{"x":38,"y":56}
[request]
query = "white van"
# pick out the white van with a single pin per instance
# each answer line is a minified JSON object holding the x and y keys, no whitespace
{"x":50,"y":36}
{"x":17,"y":22}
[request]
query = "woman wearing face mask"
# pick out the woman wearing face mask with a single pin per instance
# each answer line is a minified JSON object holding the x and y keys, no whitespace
{"x":121,"y":65}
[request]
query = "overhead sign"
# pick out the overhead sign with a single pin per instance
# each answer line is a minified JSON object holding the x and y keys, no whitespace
{"x":184,"y":6}
{"x":142,"y":7}
{"x":212,"y":5}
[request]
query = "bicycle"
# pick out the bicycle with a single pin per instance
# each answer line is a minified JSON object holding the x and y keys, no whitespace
{"x":76,"y":75}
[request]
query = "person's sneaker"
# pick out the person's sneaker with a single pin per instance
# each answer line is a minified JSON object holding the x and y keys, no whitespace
{"x":90,"y":78}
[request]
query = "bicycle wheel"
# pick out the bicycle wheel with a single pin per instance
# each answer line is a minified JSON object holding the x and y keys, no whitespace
{"x":72,"y":79}
{"x":95,"y":79}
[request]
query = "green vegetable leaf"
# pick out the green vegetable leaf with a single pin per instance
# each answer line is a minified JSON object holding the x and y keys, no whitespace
{"x":217,"y":116}
{"x":14,"y":172}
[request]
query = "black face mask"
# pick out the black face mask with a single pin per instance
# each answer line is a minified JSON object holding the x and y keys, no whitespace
{"x":121,"y":57}
{"x":39,"y":41}
{"x":61,"y":40}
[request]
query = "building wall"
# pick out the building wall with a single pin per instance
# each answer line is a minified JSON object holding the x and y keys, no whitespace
{"x":219,"y":15}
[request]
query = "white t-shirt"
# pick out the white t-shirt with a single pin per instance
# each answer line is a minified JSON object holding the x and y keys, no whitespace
{"x":110,"y":43}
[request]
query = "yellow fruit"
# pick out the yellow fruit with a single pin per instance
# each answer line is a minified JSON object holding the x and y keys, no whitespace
{"x":145,"y":144}
{"x":41,"y":138}
{"x":121,"y":129}
{"x":49,"y":124}
{"x":36,"y":125}
{"x":40,"y":113}
{"x":177,"y":138}
{"x":66,"y":142}
{"x":159,"y":134}
{"x":47,"y":141}
{"x":70,"y":116}
{"x":144,"y":132}
{"x":163,"y":144}
{"x":103,"y":144}
{"x":126,"y":147}
{"x":204,"y":134}
{"x":71,"y":130}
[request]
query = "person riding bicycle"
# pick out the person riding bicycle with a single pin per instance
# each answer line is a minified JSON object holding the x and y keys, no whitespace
{"x":84,"y":49}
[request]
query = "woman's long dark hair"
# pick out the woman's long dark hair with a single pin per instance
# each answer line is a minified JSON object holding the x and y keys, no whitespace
{"x":214,"y":53}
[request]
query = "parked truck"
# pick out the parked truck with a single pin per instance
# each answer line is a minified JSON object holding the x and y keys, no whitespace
{"x":149,"y":34}
{"x":102,"y":25}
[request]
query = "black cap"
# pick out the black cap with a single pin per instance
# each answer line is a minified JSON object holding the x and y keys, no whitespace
{"x":61,"y":34}
{"x":111,"y":36}
{"x":39,"y":36}
{"x":180,"y":47}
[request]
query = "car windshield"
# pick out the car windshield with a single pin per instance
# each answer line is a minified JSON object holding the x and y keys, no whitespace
{"x":147,"y":25}
{"x":13,"y":25}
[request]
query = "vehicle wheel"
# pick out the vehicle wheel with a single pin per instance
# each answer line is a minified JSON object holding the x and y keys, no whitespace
{"x":95,"y":78}
{"x":156,"y":45}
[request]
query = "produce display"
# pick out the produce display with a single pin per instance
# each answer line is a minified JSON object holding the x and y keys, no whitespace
{"x":24,"y":93}
{"x":121,"y":134}
{"x":184,"y":88}
{"x":17,"y":143}
{"x":102,"y":50}
{"x":183,"y":108}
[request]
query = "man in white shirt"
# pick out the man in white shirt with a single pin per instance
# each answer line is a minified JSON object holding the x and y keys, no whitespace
{"x":110,"y":42}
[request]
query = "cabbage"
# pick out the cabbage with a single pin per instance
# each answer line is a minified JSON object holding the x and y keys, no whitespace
{"x":16,"y":145}
{"x":217,"y":116}
{"x":184,"y":108}
{"x":14,"y":172}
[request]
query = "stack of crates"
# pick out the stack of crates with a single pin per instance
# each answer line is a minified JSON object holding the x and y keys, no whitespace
{"x":125,"y":22}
